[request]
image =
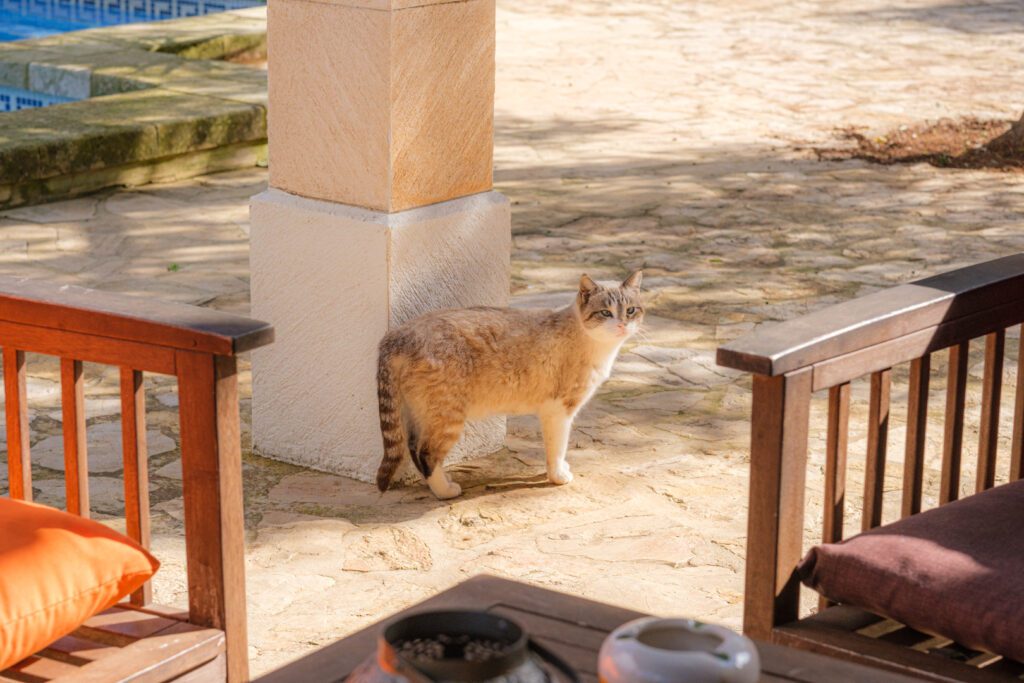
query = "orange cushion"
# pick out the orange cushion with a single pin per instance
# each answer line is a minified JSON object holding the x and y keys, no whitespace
{"x":56,"y":571}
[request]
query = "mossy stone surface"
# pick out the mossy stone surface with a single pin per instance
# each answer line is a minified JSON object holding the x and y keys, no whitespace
{"x":71,"y":44}
{"x":120,"y":129}
{"x":15,"y":60}
{"x":61,"y":81}
{"x":230,"y":90}
{"x":223,"y":46}
{"x":149,"y":105}
{"x":39,"y":143}
{"x":177,"y":35}
{"x":130,"y":175}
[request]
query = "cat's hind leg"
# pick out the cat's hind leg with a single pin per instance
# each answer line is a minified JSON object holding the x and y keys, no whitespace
{"x":435,"y":446}
{"x":556,"y":425}
{"x":418,"y":454}
{"x":438,"y":418}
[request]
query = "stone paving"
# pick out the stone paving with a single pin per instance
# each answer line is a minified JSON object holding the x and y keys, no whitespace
{"x":673,"y":136}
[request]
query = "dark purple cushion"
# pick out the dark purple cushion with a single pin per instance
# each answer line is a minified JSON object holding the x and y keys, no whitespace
{"x":955,"y":571}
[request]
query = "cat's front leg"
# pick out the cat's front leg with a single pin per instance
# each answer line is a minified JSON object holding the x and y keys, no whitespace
{"x":556,"y":426}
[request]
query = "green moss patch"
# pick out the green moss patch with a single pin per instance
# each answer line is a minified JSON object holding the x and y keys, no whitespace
{"x":156,"y":92}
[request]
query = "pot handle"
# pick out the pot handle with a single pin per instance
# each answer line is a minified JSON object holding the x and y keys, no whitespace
{"x":555,"y":661}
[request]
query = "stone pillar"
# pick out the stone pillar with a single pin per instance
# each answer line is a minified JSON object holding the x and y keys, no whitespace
{"x":380,"y":207}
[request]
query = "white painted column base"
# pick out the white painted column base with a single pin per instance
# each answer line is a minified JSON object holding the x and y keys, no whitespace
{"x":332,"y":279}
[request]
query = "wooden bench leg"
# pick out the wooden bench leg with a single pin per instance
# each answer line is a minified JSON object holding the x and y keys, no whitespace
{"x":778,"y":458}
{"x":212,"y":481}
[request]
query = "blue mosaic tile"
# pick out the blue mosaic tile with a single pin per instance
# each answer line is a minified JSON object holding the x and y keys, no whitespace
{"x":13,"y":99}
{"x":34,"y":18}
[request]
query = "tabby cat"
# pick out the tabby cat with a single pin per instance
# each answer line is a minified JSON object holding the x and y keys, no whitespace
{"x":446,"y":367}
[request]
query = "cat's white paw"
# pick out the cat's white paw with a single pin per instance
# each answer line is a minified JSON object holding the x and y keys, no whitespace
{"x":560,"y":475}
{"x":453,"y":490}
{"x":443,"y":487}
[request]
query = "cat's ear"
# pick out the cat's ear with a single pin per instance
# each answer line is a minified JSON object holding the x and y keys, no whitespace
{"x":587,"y":287}
{"x":634,"y":280}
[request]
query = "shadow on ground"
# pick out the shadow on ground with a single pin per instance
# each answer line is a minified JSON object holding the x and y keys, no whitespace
{"x":999,"y":17}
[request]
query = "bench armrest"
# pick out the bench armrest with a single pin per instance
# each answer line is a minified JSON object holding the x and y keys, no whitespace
{"x":117,"y":316}
{"x":877,"y":318}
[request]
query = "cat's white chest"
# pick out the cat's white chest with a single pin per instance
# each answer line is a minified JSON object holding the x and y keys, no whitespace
{"x":603,"y":360}
{"x":601,"y":370}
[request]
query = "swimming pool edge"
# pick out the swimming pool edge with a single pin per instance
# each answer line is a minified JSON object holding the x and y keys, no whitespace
{"x":150,"y":105}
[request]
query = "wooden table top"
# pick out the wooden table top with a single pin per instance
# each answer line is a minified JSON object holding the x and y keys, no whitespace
{"x":572,"y":627}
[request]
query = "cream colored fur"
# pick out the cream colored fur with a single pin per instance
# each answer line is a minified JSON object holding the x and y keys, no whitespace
{"x":445,"y":367}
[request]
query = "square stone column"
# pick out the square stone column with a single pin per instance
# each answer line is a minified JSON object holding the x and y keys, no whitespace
{"x":384,"y":104}
{"x":380,"y":208}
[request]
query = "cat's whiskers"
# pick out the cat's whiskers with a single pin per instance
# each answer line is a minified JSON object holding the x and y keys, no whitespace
{"x":641,"y":335}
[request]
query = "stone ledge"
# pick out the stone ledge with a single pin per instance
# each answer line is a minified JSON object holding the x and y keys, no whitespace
{"x":152,"y":100}
{"x":215,"y":160}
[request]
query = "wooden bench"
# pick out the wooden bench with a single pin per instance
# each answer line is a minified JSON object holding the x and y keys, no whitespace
{"x":136,"y":640}
{"x":826,"y":351}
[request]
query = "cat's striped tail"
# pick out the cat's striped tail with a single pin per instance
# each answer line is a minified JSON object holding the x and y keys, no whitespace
{"x":392,"y":426}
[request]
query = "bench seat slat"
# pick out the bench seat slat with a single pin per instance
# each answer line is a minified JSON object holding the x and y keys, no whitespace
{"x":124,"y":643}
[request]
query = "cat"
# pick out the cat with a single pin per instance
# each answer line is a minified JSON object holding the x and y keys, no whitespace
{"x":444,"y":367}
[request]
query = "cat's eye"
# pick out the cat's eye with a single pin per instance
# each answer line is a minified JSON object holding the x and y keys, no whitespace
{"x":631,"y":311}
{"x":605,"y":313}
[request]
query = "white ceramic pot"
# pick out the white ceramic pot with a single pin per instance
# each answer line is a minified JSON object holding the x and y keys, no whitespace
{"x":652,"y":650}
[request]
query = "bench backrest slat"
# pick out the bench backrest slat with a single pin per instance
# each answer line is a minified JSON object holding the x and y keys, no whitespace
{"x":917,"y":428}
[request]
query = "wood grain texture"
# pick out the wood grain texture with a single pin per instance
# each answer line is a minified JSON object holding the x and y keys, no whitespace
{"x":953,"y":439}
{"x":162,"y":656}
{"x":836,"y":445}
{"x":134,"y":319}
{"x":77,"y":651}
{"x":124,"y":644}
{"x":878,"y":434}
{"x":917,"y":427}
{"x":991,"y":393}
{"x":213,"y":671}
{"x":1017,"y":440}
{"x":878,"y":317}
{"x":120,"y":626}
{"x":19,"y":463}
{"x":778,"y":463}
{"x":90,"y":349}
{"x":76,"y":460}
{"x":867,"y":336}
{"x":37,"y":668}
{"x":815,"y":636}
{"x":211,"y":462}
{"x":570,"y":626}
{"x":136,"y":468}
{"x":903,"y":349}
{"x":136,"y":335}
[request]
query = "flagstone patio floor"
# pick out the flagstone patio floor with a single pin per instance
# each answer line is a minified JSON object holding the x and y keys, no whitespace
{"x":669,"y":135}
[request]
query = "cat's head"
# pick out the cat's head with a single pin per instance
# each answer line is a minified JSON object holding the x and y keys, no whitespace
{"x":610,"y":314}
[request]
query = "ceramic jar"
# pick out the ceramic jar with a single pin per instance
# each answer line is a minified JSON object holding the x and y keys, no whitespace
{"x":652,"y":650}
